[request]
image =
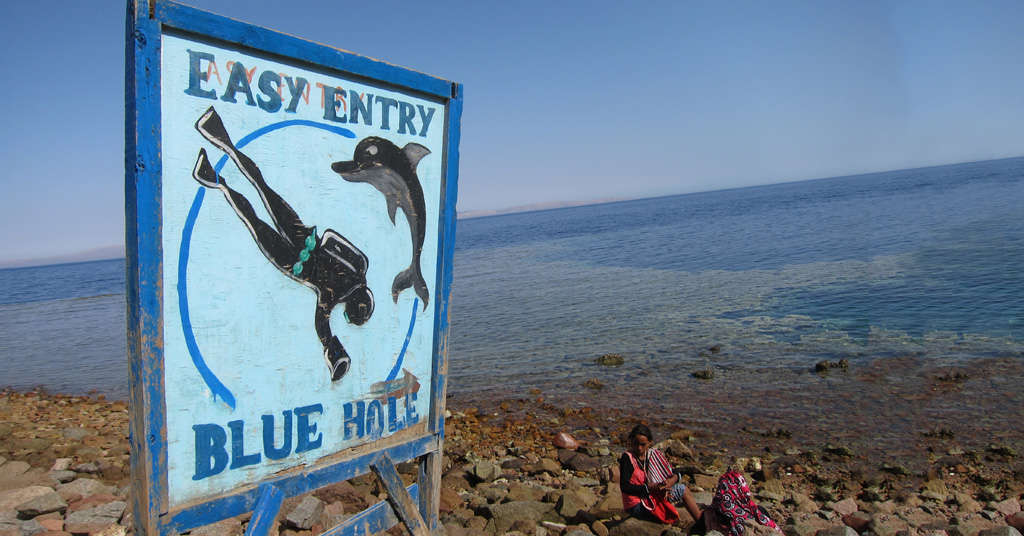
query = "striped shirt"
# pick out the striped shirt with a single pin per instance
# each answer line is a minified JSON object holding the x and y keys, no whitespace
{"x":657,"y":467}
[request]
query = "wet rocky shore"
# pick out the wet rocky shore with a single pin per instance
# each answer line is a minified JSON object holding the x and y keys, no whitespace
{"x":530,"y":464}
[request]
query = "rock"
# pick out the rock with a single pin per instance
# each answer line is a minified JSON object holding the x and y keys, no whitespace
{"x":450,"y":500}
{"x":610,"y":360}
{"x":357,"y":499}
{"x":635,"y":527}
{"x":334,"y":513}
{"x":52,"y":525}
{"x":83,"y":487}
{"x":565,"y":441}
{"x":871,"y":494}
{"x":524,"y":526}
{"x":582,"y":462}
{"x":108,"y":511}
{"x":10,"y":471}
{"x":568,"y":508}
{"x":936,"y":486}
{"x":225,"y":527}
{"x":929,"y":495}
{"x":495,"y":494}
{"x":845,"y":506}
{"x":62,"y":464}
{"x":593,"y":383}
{"x":95,"y":520}
{"x":967,"y":504}
{"x":608,"y":506}
{"x":988,"y":494}
{"x":43,"y":504}
{"x":1005,"y":530}
{"x":705,"y":374}
{"x":889,"y":526}
{"x":484,"y":471}
{"x":896,"y":469}
{"x":705,"y":482}
{"x":840,"y":450}
{"x":918,"y":518}
{"x":504,"y":515}
{"x":545,"y":465}
{"x":87,"y":468}
{"x":1008,"y":507}
{"x":674,"y":447}
{"x":63,"y":476}
{"x":92,"y":501}
{"x":784,"y":462}
{"x":9,"y":500}
{"x":517,"y":491}
{"x":306,"y":513}
{"x":1003,"y":450}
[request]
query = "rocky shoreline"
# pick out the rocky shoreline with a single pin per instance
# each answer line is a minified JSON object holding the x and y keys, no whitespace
{"x":525,"y":465}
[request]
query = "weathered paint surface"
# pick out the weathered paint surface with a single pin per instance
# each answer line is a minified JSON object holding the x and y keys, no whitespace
{"x":290,"y":232}
{"x":248,"y":390}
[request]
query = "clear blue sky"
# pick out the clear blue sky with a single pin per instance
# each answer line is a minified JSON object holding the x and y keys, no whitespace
{"x":564,"y":100}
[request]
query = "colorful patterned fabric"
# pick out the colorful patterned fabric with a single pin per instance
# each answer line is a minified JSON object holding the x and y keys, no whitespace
{"x":735,"y":507}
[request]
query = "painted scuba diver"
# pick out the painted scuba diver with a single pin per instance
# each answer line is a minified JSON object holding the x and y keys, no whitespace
{"x":392,"y":171}
{"x":329,"y":264}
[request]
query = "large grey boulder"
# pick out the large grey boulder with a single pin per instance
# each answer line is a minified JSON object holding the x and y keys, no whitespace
{"x":43,"y":504}
{"x":83,"y":487}
{"x":306,"y":513}
{"x":9,"y":500}
{"x":504,"y":515}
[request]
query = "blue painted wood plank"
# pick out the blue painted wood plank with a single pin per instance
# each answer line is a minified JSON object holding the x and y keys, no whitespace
{"x":429,"y":479}
{"x":447,"y":247}
{"x":143,"y":228}
{"x":398,"y":497}
{"x":267,"y":507}
{"x":291,"y":485}
{"x":193,"y":20}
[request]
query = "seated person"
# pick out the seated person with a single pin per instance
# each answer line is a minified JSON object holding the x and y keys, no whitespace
{"x":649,"y":487}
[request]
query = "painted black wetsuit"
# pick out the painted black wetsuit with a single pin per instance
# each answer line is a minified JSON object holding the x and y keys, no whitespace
{"x":329,"y":264}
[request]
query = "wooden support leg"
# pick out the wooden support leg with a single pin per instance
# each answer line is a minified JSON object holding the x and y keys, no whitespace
{"x":430,"y":490}
{"x":399,"y":497}
{"x":267,"y":506}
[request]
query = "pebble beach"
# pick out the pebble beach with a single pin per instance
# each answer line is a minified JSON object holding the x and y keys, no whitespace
{"x":538,"y":464}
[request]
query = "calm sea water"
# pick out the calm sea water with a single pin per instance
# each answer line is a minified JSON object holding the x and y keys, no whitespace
{"x":923,"y":262}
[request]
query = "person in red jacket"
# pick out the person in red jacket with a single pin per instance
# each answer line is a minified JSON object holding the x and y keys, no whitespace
{"x":649,"y":486}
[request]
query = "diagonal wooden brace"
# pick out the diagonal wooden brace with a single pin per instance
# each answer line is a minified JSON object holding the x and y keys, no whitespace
{"x":398,"y":496}
{"x":267,"y":506}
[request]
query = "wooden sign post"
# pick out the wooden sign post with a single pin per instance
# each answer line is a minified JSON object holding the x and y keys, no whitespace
{"x":290,"y":215}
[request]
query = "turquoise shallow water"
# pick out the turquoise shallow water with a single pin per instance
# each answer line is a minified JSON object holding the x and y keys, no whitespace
{"x":922,"y":263}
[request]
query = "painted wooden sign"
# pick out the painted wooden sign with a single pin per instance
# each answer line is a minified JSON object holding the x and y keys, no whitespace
{"x":290,"y":221}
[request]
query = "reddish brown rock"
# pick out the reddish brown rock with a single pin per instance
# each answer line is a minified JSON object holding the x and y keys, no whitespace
{"x":566,"y":441}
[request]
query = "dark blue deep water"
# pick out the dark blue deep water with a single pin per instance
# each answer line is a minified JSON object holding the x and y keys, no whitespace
{"x":924,"y":262}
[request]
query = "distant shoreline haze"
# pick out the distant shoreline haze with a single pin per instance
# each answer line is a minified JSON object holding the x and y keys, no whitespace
{"x":548,"y":205}
{"x":95,"y":254}
{"x":117,"y":251}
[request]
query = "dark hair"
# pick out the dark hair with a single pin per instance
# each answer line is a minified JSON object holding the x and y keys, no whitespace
{"x":641,"y":430}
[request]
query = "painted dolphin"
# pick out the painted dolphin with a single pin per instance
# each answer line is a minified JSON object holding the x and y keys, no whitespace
{"x":392,"y":171}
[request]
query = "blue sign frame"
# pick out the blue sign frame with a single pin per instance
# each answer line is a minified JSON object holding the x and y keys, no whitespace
{"x":157,"y":278}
